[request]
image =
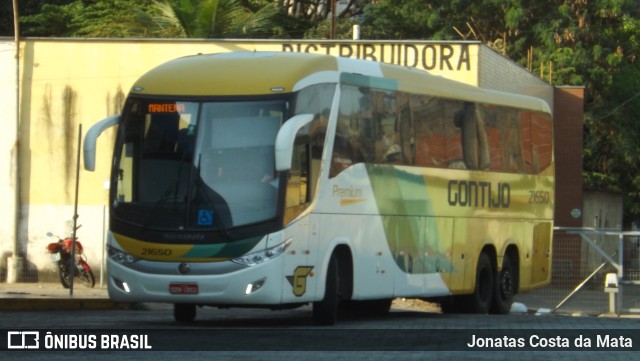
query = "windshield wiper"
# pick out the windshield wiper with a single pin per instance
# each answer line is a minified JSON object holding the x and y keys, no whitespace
{"x":213,"y":201}
{"x":173,"y":188}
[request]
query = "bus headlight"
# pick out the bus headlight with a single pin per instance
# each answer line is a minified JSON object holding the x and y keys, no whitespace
{"x":121,"y":257}
{"x":259,"y":257}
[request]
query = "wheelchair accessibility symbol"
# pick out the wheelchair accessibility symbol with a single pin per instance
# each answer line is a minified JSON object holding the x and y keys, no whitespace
{"x":205,"y":217}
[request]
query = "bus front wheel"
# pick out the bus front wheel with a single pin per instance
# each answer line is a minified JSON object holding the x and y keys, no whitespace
{"x":325,"y":312}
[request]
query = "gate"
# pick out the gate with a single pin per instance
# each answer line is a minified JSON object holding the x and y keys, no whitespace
{"x":594,"y":271}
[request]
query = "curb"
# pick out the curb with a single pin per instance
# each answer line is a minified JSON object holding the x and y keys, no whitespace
{"x":69,"y":304}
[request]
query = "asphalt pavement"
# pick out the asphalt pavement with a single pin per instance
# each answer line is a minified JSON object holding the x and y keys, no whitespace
{"x":27,"y":297}
{"x":52,"y":296}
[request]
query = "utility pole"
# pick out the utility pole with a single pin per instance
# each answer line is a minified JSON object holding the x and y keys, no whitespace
{"x":333,"y":19}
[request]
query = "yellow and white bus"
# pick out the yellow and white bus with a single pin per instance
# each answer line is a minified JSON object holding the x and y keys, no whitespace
{"x":282,"y":179}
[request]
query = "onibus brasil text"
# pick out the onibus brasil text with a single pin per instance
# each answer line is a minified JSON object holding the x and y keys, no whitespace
{"x":52,"y":341}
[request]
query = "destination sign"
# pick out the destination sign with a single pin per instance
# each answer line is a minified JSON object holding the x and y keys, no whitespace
{"x":165,"y":108}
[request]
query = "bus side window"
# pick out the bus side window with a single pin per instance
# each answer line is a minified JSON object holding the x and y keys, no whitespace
{"x":433,"y":139}
{"x":388,"y":148}
{"x":305,"y":167}
{"x":475,"y":144}
{"x":124,"y":189}
{"x":513,"y":143}
{"x":297,"y":193}
{"x":541,"y":141}
{"x":405,"y":129}
{"x":353,"y":139}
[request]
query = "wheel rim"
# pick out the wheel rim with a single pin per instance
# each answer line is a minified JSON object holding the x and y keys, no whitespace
{"x":85,"y":278}
{"x":65,"y":274}
{"x":506,"y":284}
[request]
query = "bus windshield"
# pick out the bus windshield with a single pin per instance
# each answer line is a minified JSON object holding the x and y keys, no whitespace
{"x":197,"y":165}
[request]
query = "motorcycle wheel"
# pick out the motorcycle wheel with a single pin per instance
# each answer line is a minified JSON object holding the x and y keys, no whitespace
{"x":87,"y":278}
{"x":65,"y":276}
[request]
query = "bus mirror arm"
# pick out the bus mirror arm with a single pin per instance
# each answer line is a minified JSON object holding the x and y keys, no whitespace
{"x":286,"y":138}
{"x":91,"y":138}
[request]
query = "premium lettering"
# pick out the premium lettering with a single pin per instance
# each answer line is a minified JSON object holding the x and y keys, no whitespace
{"x":349,"y":192}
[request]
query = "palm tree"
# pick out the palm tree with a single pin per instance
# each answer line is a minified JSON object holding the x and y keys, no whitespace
{"x":205,"y":19}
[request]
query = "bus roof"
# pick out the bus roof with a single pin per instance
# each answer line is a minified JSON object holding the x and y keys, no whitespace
{"x":260,"y":73}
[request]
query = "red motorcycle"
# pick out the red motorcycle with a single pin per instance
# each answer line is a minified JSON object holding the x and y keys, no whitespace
{"x":61,"y":255}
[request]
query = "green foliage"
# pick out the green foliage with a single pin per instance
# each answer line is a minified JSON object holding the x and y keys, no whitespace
{"x":151,"y":18}
{"x":88,"y":18}
{"x":593,"y":43}
{"x":216,"y":18}
{"x":52,"y":20}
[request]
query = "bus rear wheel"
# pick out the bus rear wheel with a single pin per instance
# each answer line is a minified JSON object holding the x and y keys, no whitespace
{"x":482,"y":296}
{"x":504,"y":288}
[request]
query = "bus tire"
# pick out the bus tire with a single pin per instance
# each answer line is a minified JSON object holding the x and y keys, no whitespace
{"x":482,"y":296}
{"x":504,"y":288}
{"x":325,"y":312}
{"x":184,"y":312}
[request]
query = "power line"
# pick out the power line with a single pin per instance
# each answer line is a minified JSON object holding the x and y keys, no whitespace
{"x":619,"y":106}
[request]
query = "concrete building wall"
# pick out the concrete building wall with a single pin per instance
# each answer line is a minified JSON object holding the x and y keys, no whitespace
{"x":601,"y":210}
{"x":495,"y":72}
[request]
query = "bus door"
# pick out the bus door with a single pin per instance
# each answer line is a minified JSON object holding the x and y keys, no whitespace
{"x":300,"y":228}
{"x":298,"y":268}
{"x":541,"y":254}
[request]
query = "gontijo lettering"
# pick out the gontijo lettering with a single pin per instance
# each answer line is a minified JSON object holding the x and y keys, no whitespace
{"x":478,"y":194}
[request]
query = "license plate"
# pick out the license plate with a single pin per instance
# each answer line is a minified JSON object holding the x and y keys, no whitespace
{"x":55,"y":257}
{"x":183,"y":289}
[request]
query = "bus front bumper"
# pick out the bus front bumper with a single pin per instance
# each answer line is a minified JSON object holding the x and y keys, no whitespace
{"x":257,"y":285}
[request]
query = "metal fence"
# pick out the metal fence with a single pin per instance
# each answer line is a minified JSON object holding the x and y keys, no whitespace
{"x":582,"y":259}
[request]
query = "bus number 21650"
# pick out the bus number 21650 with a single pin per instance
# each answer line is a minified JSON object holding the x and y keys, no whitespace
{"x":539,"y":197}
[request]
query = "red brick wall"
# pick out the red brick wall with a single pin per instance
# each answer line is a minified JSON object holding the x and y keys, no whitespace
{"x":568,"y":128}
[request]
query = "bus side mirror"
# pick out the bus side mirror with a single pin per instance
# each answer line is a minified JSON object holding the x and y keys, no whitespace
{"x":91,"y":137}
{"x":286,"y":138}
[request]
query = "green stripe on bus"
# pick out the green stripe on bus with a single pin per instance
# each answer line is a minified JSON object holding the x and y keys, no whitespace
{"x":404,"y":206}
{"x":223,"y":250}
